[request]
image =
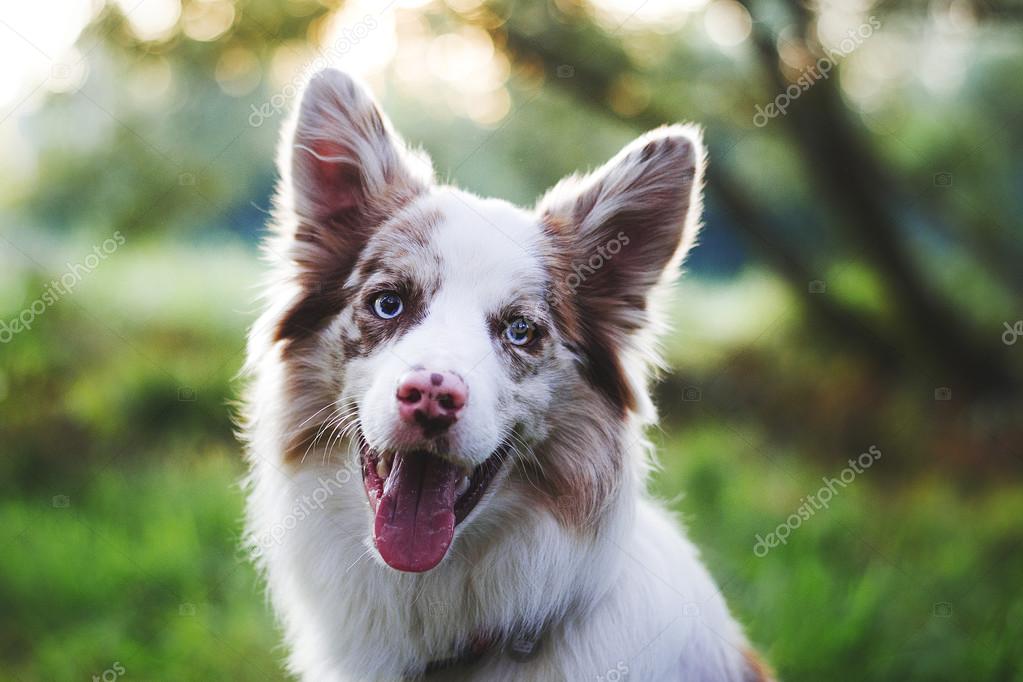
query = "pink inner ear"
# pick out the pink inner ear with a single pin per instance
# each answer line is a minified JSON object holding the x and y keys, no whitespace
{"x":344,"y":185}
{"x":331,"y":178}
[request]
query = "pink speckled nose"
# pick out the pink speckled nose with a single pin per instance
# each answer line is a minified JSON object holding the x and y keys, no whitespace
{"x":433,"y":400}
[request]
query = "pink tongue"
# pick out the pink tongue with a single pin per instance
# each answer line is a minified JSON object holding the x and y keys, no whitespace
{"x":415,"y":517}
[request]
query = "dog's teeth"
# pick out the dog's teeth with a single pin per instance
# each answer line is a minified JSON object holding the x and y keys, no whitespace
{"x":463,"y":485}
{"x":383,"y":467}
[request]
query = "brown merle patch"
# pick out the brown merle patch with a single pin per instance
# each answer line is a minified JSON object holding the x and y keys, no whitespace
{"x":311,"y":388}
{"x":756,"y":669}
{"x":382,"y":265}
{"x":524,"y":361}
{"x":374,"y":331}
{"x":578,"y":312}
{"x":395,"y":260}
{"x":578,"y":468}
{"x":327,"y":262}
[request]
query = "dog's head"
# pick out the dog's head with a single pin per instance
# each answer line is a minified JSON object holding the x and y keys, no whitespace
{"x":467,"y":347}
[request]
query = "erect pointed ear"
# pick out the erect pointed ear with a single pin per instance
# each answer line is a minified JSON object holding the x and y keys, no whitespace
{"x":626,"y":228}
{"x":346,"y":172}
{"x":347,"y":162}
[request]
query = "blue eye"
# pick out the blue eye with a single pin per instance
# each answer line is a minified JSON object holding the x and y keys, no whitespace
{"x":520,"y":331}
{"x":388,"y":305}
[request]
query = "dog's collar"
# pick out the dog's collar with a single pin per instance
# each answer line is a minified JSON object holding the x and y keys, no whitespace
{"x":522,"y":646}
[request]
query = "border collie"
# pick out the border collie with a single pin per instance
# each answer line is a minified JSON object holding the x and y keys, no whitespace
{"x":445,"y":411}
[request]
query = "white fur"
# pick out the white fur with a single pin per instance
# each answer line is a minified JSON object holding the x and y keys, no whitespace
{"x":626,"y":598}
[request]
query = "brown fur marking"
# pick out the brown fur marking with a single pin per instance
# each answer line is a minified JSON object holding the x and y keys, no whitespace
{"x":756,"y":669}
{"x":397,"y":239}
{"x":580,"y":320}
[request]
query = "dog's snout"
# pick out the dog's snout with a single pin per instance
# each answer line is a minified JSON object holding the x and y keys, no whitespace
{"x":433,"y":400}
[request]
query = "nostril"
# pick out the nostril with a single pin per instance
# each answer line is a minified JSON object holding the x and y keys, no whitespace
{"x":409,"y":395}
{"x":433,"y":400}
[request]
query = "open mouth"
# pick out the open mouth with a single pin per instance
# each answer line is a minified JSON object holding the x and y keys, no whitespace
{"x":418,"y":498}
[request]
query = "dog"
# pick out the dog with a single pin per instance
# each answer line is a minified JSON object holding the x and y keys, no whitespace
{"x":444,"y":417}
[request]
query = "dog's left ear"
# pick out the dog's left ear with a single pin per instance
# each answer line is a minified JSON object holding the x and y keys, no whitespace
{"x":626,"y":228}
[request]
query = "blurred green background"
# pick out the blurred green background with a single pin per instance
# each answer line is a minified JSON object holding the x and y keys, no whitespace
{"x":859,"y":285}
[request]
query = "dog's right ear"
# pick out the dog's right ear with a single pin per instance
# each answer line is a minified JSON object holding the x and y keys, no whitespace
{"x":346,"y":172}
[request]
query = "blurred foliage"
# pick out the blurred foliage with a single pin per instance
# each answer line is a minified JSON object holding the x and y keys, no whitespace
{"x":840,"y":287}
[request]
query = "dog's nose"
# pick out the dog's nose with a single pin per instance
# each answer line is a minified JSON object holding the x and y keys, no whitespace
{"x":433,"y":400}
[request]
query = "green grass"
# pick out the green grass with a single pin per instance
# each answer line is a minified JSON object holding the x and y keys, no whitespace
{"x":142,"y":568}
{"x":910,"y":583}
